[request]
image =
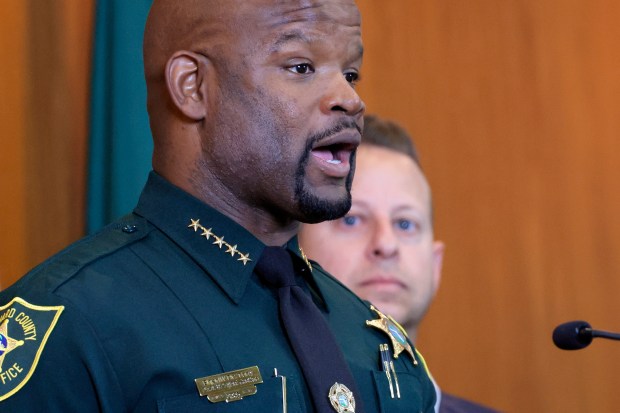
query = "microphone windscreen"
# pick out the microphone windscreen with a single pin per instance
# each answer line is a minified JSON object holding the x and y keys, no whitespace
{"x":571,"y":335}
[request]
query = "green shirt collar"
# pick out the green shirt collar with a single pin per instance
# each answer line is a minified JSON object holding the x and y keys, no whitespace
{"x":215,"y":242}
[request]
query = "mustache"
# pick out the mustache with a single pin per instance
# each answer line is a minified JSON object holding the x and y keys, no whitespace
{"x":317,"y":137}
{"x":343,"y":125}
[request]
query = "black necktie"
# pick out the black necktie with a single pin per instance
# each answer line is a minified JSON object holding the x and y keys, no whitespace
{"x":314,"y":345}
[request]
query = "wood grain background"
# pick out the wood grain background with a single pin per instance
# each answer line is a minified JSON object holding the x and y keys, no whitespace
{"x":44,"y":81}
{"x":514,"y":105}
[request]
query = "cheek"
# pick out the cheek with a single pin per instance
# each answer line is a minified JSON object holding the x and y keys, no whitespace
{"x":283,"y":133}
{"x":344,"y":270}
{"x":418,"y":266}
{"x":293,"y":110}
{"x":347,"y":262}
{"x":338,"y":260}
{"x":283,"y":108}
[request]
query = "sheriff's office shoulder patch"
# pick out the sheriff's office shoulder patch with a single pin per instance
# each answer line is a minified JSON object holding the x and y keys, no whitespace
{"x":24,"y":330}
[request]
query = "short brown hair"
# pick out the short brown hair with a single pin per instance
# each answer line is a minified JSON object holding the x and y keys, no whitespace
{"x":387,"y":134}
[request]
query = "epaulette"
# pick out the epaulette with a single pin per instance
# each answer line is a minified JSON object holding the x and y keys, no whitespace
{"x":62,"y":266}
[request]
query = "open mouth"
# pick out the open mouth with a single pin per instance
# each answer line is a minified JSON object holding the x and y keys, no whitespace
{"x":335,"y":154}
{"x":332,"y":153}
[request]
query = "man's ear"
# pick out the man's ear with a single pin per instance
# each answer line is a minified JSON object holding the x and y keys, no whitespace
{"x":186,"y":82}
{"x":438,"y":251}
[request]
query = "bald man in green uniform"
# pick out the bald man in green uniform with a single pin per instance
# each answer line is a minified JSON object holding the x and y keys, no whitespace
{"x":255,"y":122}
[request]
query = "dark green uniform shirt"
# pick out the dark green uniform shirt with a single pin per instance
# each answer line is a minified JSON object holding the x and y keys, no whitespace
{"x":127,"y":319}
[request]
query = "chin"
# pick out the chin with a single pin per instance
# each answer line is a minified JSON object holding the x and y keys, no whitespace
{"x":388,"y":309}
{"x":315,"y":208}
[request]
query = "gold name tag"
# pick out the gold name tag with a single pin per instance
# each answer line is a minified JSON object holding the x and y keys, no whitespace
{"x":230,"y":386}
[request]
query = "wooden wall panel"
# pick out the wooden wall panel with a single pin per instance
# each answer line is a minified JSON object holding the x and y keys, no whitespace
{"x":514,"y":106}
{"x":13,"y":256}
{"x":47,"y":127}
{"x":59,"y":65}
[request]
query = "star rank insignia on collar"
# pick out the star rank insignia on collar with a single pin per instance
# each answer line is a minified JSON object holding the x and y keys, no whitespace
{"x":231,"y":249}
{"x":397,"y":334}
{"x":219,"y":241}
{"x":195,"y":224}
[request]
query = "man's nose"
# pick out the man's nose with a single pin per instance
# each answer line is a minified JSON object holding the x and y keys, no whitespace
{"x":384,"y":242}
{"x":340,"y":96}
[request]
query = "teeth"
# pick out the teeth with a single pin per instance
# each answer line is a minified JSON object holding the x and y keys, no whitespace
{"x":334,"y":161}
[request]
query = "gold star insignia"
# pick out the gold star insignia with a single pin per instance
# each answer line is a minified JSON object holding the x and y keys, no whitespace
{"x":206,"y":232}
{"x":397,"y":334}
{"x":219,"y":241}
{"x":7,"y":344}
{"x":244,"y":257}
{"x":195,"y":224}
{"x":231,"y":249}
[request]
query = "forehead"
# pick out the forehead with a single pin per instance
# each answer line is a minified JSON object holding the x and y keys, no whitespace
{"x":303,"y":18}
{"x":339,"y":11}
{"x":389,"y":179}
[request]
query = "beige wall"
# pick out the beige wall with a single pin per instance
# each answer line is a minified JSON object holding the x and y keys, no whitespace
{"x":514,"y":106}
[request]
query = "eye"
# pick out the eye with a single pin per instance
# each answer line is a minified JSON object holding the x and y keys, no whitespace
{"x":407,"y":225}
{"x":302,"y":68}
{"x":352,"y":77}
{"x":350,"y":220}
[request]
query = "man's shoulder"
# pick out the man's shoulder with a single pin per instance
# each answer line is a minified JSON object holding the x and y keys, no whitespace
{"x":333,"y":283}
{"x":61,"y":267}
{"x":338,"y":296}
{"x":454,"y":404}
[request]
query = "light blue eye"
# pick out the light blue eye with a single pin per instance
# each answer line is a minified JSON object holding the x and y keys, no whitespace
{"x":405,"y":225}
{"x":350,"y":220}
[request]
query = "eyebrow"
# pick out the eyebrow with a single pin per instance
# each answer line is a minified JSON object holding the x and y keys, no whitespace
{"x":407,"y":207}
{"x":288,"y":37}
{"x":300,"y":36}
{"x":360,"y":50}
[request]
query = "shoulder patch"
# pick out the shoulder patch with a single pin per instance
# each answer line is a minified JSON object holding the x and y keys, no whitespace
{"x":24,"y":330}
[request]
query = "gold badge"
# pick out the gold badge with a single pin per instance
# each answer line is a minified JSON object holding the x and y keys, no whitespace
{"x":230,"y":386}
{"x":24,"y":330}
{"x":341,"y":398}
{"x":397,"y":334}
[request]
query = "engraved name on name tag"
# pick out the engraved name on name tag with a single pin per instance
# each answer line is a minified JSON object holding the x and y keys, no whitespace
{"x":230,"y":386}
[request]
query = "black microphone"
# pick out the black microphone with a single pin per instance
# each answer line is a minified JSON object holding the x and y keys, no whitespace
{"x":576,"y":335}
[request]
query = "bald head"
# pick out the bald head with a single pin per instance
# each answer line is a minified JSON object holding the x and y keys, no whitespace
{"x":181,"y":39}
{"x":238,"y":90}
{"x":208,"y":26}
{"x":210,"y":30}
{"x":174,"y":25}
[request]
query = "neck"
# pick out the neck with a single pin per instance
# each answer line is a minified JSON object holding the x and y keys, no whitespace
{"x":412,"y":332}
{"x":268,"y":227}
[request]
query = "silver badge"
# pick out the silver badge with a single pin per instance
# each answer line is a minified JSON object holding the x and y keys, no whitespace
{"x":341,"y":398}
